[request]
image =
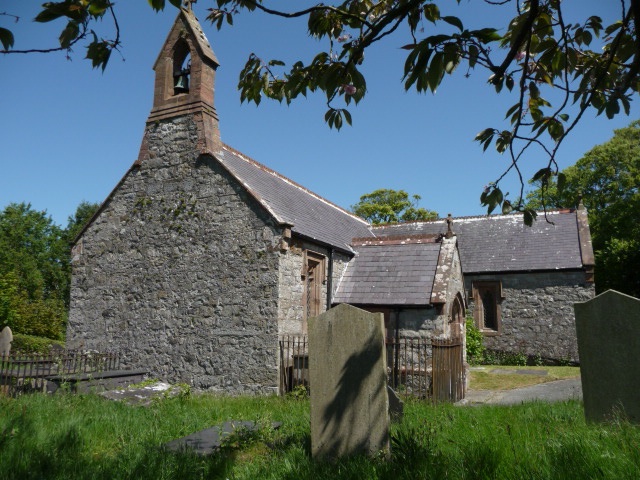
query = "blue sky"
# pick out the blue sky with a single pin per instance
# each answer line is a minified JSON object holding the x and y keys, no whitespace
{"x":68,"y":133}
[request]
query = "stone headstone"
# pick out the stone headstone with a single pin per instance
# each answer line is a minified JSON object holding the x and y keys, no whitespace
{"x":396,"y":405}
{"x":206,"y":442}
{"x":608,"y":331}
{"x":6,"y":337}
{"x":348,"y":378}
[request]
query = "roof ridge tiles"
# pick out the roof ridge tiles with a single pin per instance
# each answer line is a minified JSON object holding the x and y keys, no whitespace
{"x":397,"y":239}
{"x":473,"y":217}
{"x":270,"y":171}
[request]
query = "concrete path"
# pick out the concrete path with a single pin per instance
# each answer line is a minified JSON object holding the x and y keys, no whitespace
{"x":555,"y":391}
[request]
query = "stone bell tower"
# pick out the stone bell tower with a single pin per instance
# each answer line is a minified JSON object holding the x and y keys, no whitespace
{"x":184,"y":84}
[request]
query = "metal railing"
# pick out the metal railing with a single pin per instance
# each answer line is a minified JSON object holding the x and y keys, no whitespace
{"x":410,"y":366}
{"x":24,"y":373}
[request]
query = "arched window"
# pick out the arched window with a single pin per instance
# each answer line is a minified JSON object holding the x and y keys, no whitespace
{"x":456,"y":318}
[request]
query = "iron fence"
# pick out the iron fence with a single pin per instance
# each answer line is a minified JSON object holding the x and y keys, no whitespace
{"x":409,"y":365}
{"x":23,"y":373}
{"x":294,"y":363}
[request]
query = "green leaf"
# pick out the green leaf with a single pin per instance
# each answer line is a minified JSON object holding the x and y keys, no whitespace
{"x":98,"y":52}
{"x":176,"y":3}
{"x":455,"y":21}
{"x":97,"y":8}
{"x":487,"y":35}
{"x":69,"y":34}
{"x":529,"y":216}
{"x":543,"y":174}
{"x":506,"y":207}
{"x":436,"y":71}
{"x":534,"y":92}
{"x":157,"y":5}
{"x":6,"y":37}
{"x":51,"y":11}
{"x":431,"y":12}
{"x":509,"y":82}
{"x":473,"y":55}
{"x":347,"y":115}
{"x":612,"y":108}
{"x":562,"y":183}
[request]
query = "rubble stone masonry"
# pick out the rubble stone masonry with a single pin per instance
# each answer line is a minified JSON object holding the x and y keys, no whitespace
{"x":537,"y":313}
{"x":179,"y":271}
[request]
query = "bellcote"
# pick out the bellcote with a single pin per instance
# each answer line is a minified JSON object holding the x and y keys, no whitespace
{"x":184,"y":79}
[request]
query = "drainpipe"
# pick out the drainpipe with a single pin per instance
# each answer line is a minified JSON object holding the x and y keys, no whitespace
{"x":330,"y":279}
{"x":397,"y":349}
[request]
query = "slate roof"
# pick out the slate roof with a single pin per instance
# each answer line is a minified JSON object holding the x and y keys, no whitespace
{"x":309,"y":214}
{"x":503,"y":243}
{"x":390,"y":274}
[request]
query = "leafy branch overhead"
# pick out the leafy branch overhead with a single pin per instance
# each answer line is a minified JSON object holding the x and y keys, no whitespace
{"x":555,"y":69}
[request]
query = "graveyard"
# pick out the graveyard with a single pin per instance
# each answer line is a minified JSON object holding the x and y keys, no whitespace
{"x":346,"y":427}
{"x":86,"y":436}
{"x":201,"y":261}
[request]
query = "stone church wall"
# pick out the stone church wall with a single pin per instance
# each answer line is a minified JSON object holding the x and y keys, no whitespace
{"x":537,"y":313}
{"x":291,"y":310}
{"x":179,"y":272}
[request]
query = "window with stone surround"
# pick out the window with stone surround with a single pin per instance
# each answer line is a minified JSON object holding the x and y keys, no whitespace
{"x":487,"y":297}
{"x":313,"y":277}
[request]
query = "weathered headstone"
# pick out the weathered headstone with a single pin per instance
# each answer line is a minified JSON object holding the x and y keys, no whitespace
{"x":6,"y":337}
{"x":347,"y":372}
{"x":608,"y":331}
{"x":396,"y":405}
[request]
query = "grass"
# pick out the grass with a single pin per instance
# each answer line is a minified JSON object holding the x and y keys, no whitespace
{"x":87,"y":437}
{"x":485,"y":380}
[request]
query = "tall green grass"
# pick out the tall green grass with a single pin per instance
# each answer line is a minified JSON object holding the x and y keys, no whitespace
{"x":86,"y":437}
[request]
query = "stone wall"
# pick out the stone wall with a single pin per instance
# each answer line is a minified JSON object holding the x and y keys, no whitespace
{"x":179,"y":272}
{"x":537,"y":313}
{"x":291,"y":319}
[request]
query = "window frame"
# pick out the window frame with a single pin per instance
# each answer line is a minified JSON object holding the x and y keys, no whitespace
{"x":314,"y":264}
{"x":480,"y":288}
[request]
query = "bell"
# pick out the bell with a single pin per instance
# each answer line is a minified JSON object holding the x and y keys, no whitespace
{"x":181,"y":82}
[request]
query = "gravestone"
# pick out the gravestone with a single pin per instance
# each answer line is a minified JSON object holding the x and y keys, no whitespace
{"x":608,"y":330}
{"x":347,"y":373}
{"x":6,"y":337}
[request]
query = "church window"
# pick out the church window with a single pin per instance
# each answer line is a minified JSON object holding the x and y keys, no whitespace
{"x":487,"y":297}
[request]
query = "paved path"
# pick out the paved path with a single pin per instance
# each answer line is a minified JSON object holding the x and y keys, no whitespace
{"x":555,"y":391}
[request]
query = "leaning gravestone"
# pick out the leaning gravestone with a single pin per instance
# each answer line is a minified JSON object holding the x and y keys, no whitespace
{"x":347,"y":374}
{"x":6,"y":337}
{"x":608,"y":331}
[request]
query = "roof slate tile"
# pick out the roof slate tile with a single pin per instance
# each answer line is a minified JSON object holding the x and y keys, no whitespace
{"x":502,"y":243}
{"x":309,"y":214}
{"x":390,"y":275}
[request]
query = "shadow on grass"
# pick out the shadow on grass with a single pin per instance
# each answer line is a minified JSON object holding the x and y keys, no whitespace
{"x":64,"y":455}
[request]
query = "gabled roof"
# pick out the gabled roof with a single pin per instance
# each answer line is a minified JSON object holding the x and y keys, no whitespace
{"x":187,"y":18}
{"x":503,"y":243}
{"x":310,"y":215}
{"x":390,"y":272}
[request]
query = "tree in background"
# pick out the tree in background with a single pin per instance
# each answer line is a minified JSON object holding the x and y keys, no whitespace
{"x":391,"y":206}
{"x":607,"y":179}
{"x":35,"y":270}
{"x":540,"y":53}
{"x":77,"y":221}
